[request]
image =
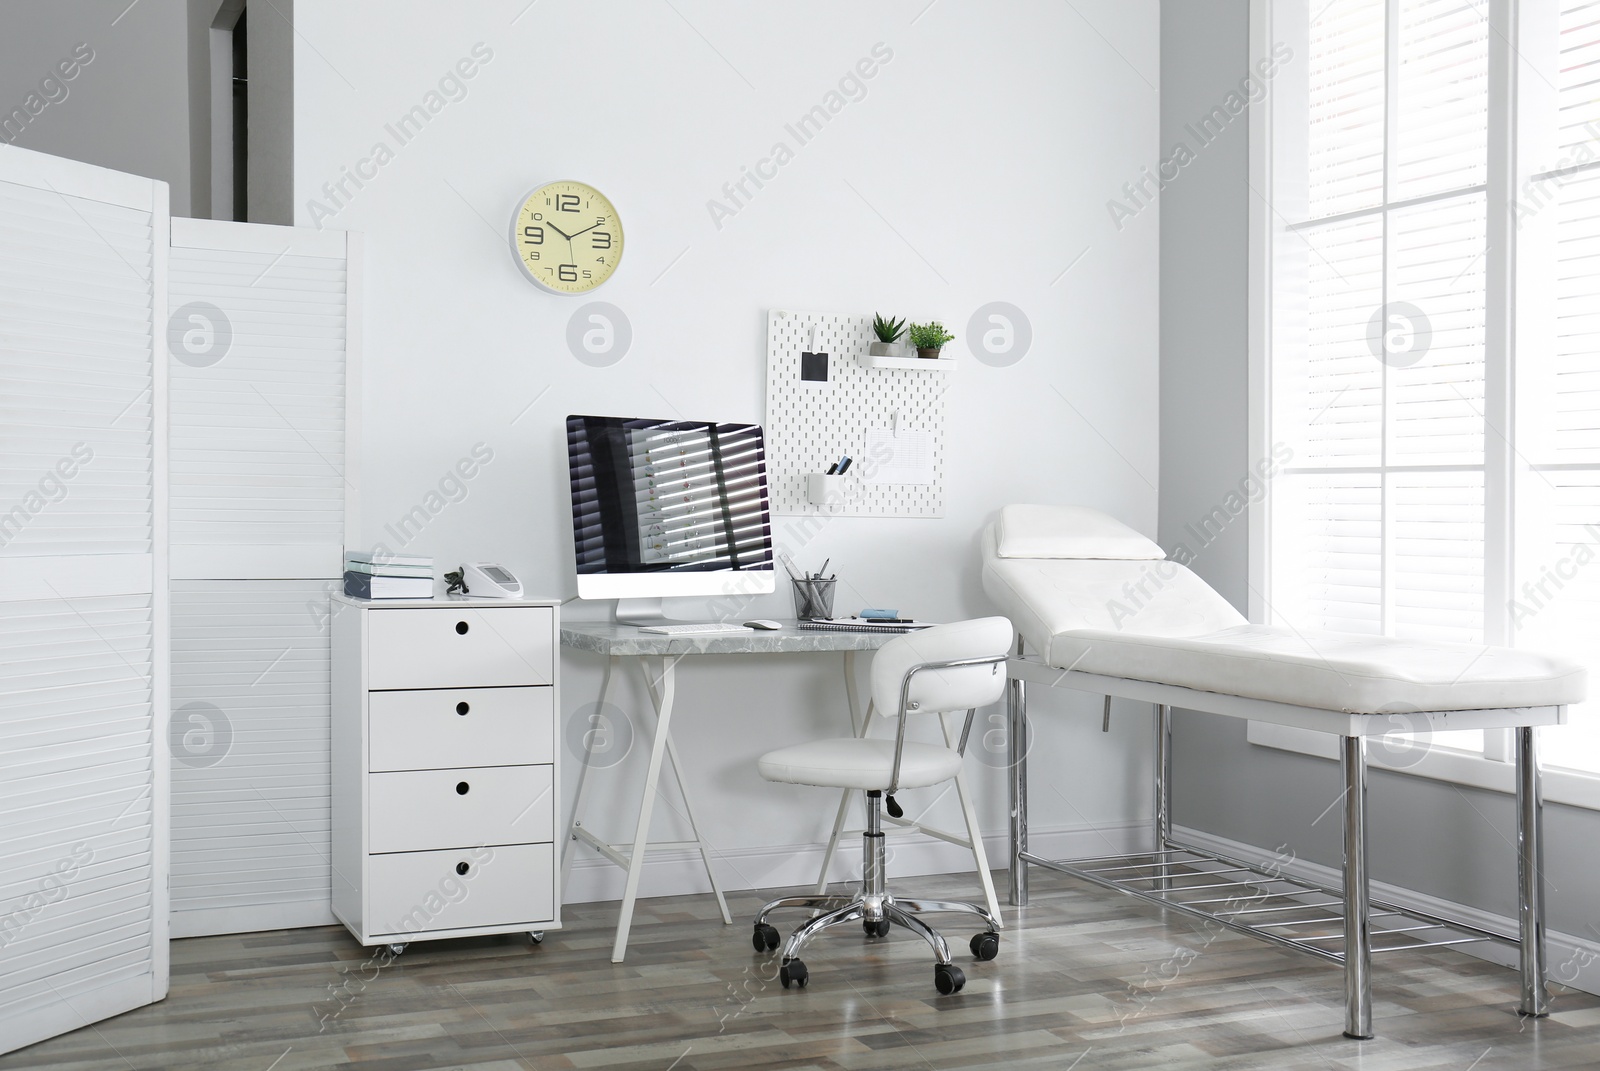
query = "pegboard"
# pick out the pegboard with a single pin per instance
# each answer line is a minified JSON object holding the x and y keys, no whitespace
{"x":809,"y":424}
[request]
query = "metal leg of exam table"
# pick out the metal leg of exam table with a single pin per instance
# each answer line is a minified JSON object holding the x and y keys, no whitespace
{"x":660,"y":677}
{"x":1530,"y":874}
{"x":1535,"y":996}
{"x":1017,"y":768}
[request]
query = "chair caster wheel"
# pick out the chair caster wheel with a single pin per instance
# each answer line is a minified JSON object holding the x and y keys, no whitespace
{"x":765,"y":937}
{"x":947,"y":978}
{"x":397,"y":948}
{"x":876,"y":927}
{"x":794,"y":972}
{"x":986,"y":945}
{"x":536,"y":936}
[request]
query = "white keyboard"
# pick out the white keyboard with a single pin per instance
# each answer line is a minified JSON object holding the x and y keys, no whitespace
{"x":710,"y":629}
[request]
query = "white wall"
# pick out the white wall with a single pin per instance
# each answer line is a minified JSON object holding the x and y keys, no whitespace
{"x":975,"y":169}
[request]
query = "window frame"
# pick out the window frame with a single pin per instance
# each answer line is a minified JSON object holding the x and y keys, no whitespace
{"x":1510,"y":162}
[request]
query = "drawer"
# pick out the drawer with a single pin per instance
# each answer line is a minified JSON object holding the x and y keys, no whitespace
{"x":425,"y":809}
{"x":460,"y":727}
{"x":510,"y":886}
{"x":457,"y":647}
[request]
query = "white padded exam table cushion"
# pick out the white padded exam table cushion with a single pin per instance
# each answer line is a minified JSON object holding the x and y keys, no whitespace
{"x":1157,"y":621}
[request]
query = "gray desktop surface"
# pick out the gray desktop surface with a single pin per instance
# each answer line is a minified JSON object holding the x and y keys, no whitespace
{"x":607,"y":639}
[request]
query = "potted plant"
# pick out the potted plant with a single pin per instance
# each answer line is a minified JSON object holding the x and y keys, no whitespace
{"x":929,"y":339}
{"x":888,"y":332}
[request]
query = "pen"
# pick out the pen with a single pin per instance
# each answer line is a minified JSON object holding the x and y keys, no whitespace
{"x":844,"y":464}
{"x":833,"y":469}
{"x":825,"y":562}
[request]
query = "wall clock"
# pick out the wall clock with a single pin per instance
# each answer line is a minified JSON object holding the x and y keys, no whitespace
{"x":567,"y":237}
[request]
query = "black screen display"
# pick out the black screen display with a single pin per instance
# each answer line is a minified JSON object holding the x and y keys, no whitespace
{"x":668,"y":495}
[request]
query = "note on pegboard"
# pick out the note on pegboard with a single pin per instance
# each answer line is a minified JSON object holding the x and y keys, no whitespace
{"x":810,"y":424}
{"x":907,"y":457}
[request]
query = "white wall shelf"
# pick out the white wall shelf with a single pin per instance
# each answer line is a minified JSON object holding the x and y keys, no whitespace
{"x":912,"y":364}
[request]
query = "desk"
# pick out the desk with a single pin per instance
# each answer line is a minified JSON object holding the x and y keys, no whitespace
{"x":657,"y":657}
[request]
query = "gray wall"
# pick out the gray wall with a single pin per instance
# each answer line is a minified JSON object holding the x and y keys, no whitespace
{"x":271,"y":61}
{"x":127,"y":108}
{"x":1435,"y":838}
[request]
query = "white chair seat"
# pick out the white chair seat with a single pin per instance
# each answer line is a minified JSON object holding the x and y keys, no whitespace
{"x":864,"y":764}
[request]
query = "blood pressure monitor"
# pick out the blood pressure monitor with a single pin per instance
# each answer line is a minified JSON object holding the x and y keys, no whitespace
{"x":486,"y":580}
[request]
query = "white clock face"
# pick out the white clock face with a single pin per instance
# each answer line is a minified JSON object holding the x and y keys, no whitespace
{"x":567,"y":237}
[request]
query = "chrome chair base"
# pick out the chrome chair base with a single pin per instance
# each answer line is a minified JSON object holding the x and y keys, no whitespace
{"x":876,"y":908}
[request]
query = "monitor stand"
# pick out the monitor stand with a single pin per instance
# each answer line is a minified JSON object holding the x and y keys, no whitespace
{"x":639,"y":612}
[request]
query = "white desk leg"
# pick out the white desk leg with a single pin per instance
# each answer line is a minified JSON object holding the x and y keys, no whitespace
{"x":859,"y":727}
{"x":979,"y":857}
{"x":694,"y":826}
{"x":667,"y":676}
{"x":569,"y":846}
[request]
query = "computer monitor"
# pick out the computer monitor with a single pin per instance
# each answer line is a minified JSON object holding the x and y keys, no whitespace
{"x":666,"y":508}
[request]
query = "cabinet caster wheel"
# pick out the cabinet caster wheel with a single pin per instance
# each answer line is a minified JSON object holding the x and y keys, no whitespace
{"x":765,"y":937}
{"x":986,"y":945}
{"x":536,"y":936}
{"x":947,"y":978}
{"x":876,"y":927}
{"x":794,"y":972}
{"x":397,"y":948}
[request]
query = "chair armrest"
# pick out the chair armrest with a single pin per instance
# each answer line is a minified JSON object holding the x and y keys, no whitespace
{"x":906,"y":707}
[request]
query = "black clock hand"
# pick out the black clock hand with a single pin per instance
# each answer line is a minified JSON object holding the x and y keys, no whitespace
{"x":585,"y":230}
{"x":561,"y":232}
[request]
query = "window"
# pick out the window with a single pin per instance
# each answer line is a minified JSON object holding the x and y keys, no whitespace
{"x":1429,"y":246}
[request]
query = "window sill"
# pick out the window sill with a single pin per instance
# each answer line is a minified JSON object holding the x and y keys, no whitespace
{"x":1567,"y":787}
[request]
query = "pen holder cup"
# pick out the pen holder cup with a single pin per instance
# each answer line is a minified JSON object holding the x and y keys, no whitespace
{"x":813,"y":599}
{"x":824,"y":490}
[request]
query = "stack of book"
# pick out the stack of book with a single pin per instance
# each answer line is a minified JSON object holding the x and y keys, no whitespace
{"x":388,"y":576}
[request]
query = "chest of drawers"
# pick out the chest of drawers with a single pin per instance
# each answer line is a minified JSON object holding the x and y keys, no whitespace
{"x":445,"y":780}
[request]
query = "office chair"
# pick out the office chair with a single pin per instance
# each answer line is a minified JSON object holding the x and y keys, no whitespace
{"x":959,"y":666}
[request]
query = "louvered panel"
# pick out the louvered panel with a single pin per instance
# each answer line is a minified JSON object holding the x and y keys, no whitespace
{"x":1437,"y":264}
{"x":1578,"y":76}
{"x":1327,"y":564}
{"x":258,"y":431}
{"x":1346,"y":106}
{"x":77,"y":829}
{"x":1443,"y":97}
{"x":251,"y":778}
{"x":76,"y":418}
{"x":1329,"y":386}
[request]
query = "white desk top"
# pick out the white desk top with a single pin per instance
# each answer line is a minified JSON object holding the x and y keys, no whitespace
{"x":608,"y":639}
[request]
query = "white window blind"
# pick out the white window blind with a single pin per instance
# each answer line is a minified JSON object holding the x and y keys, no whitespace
{"x":1420,"y":502}
{"x":1555,"y":600}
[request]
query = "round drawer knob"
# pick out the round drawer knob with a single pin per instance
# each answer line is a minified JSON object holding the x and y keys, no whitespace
{"x":462,"y":868}
{"x":461,"y":628}
{"x":462,"y":707}
{"x":462,"y":788}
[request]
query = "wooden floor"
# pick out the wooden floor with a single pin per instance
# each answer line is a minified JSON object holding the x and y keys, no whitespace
{"x":1086,"y":979}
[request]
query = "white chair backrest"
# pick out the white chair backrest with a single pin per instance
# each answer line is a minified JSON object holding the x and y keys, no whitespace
{"x":956,"y":688}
